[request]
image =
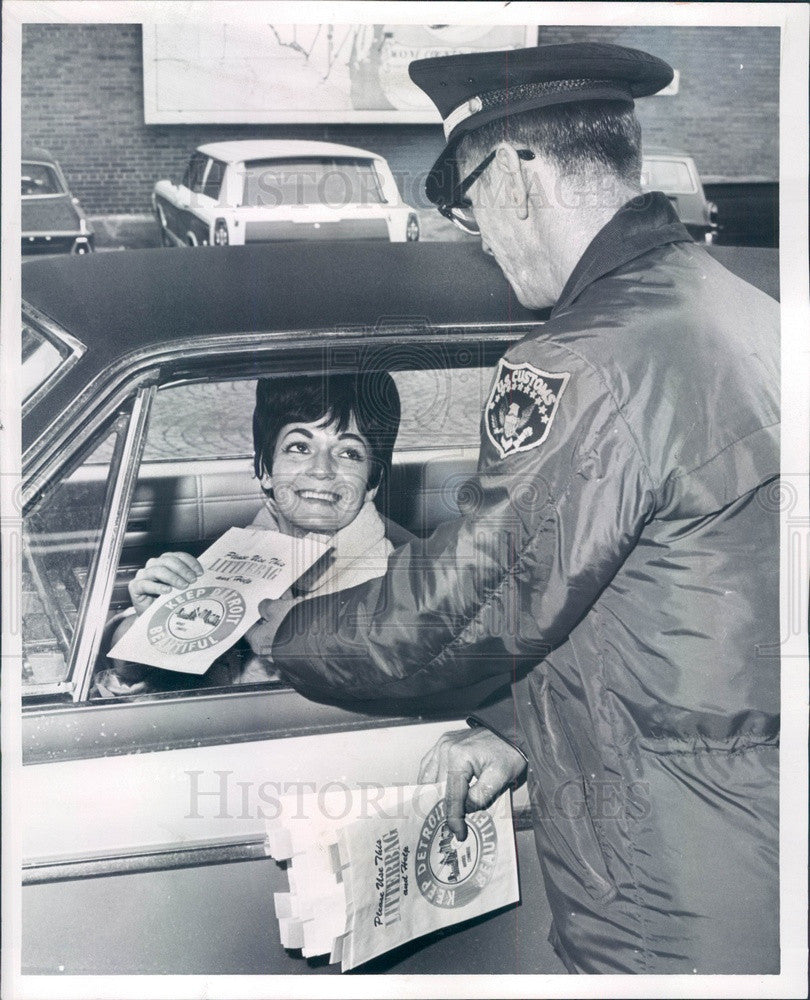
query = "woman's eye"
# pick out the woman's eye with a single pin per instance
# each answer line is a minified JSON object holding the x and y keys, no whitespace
{"x":297,"y":448}
{"x":353,"y":454}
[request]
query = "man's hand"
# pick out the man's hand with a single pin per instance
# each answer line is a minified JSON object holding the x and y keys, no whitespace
{"x":159,"y":576}
{"x":459,"y":757}
{"x":260,"y":636}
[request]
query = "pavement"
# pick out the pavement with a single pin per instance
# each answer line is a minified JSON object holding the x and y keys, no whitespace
{"x":125,"y":232}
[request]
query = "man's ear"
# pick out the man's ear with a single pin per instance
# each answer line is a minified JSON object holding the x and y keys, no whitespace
{"x":515,"y":183}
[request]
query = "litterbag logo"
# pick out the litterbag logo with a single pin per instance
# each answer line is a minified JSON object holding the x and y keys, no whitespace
{"x":522,"y":405}
{"x":196,"y":619}
{"x":449,"y":872}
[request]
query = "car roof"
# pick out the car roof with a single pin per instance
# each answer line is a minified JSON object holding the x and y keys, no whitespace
{"x":239,"y":150}
{"x":658,"y":152}
{"x":161,"y":296}
{"x":37,"y":154}
{"x":157,"y":297}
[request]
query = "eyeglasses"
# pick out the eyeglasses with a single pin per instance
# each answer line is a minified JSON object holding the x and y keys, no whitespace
{"x":458,"y":209}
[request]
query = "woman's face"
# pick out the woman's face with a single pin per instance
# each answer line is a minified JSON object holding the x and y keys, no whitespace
{"x":320,"y":476}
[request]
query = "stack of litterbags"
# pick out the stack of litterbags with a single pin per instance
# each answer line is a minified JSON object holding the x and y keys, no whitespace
{"x":371,"y":868}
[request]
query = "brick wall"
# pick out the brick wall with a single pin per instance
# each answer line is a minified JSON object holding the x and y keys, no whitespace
{"x":726,"y":113}
{"x":82,"y":98}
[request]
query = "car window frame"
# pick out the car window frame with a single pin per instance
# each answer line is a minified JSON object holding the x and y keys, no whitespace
{"x":195,"y":157}
{"x":326,"y":161}
{"x":129,"y":423}
{"x":212,"y":161}
{"x":59,"y":177}
{"x":91,"y":620}
{"x":683,"y":161}
{"x":70,"y":347}
{"x":73,"y":727}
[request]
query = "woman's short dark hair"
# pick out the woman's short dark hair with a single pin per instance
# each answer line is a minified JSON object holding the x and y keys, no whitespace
{"x":371,"y":397}
{"x":602,"y":134}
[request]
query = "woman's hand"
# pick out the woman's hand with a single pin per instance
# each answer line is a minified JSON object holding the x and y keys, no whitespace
{"x":160,"y":575}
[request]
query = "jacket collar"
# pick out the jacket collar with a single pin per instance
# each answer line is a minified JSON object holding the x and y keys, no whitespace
{"x":644,"y":223}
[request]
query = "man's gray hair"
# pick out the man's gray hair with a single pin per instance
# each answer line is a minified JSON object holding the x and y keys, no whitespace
{"x":579,"y":137}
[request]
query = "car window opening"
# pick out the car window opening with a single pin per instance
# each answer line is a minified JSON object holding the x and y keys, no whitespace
{"x":39,"y":178}
{"x":335,"y":181}
{"x":193,"y":485}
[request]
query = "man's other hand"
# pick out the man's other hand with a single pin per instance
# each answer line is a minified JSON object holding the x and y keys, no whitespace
{"x":460,"y":756}
{"x":273,"y":612}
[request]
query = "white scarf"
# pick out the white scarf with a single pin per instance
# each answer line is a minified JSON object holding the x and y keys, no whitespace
{"x":359,"y":551}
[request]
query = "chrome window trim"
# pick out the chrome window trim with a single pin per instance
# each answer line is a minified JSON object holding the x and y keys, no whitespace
{"x":192,"y":854}
{"x":42,"y":459}
{"x":58,"y":622}
{"x":202,"y":717}
{"x":101,"y":575}
{"x":68,"y":444}
{"x":211,"y":161}
{"x":43,"y":233}
{"x":62,"y":340}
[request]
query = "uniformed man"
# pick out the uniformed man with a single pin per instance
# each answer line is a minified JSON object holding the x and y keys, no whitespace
{"x":622,"y":564}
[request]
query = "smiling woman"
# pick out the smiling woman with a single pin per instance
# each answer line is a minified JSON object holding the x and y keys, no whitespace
{"x":321,"y":476}
{"x":322,"y":446}
{"x":322,"y":449}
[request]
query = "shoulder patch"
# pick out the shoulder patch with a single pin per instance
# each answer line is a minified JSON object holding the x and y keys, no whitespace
{"x":522,"y":405}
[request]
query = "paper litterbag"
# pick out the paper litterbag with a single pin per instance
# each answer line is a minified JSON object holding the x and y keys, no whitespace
{"x":369,"y":873}
{"x":408,"y":877}
{"x":188,"y":629}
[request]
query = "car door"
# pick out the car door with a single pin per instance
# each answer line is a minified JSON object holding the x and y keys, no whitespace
{"x":176,"y":204}
{"x":144,"y":816}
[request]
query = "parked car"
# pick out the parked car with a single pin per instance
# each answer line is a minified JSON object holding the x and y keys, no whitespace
{"x":259,"y":191}
{"x":142,"y":834}
{"x":52,"y":219}
{"x":747,"y":209}
{"x":677,"y":176}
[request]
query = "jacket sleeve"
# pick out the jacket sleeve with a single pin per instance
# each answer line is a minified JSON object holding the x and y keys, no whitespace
{"x":543,"y":531}
{"x":499,"y":716}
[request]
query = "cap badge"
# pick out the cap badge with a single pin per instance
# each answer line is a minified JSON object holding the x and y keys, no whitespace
{"x":462,"y":112}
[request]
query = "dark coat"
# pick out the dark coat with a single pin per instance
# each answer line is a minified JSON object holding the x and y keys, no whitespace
{"x":620,"y":562}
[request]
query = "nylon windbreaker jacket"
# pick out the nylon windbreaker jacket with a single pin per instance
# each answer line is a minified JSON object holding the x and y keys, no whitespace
{"x":618,"y":561}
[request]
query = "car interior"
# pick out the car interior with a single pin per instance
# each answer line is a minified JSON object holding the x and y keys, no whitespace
{"x":196,"y":480}
{"x":38,"y":178}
